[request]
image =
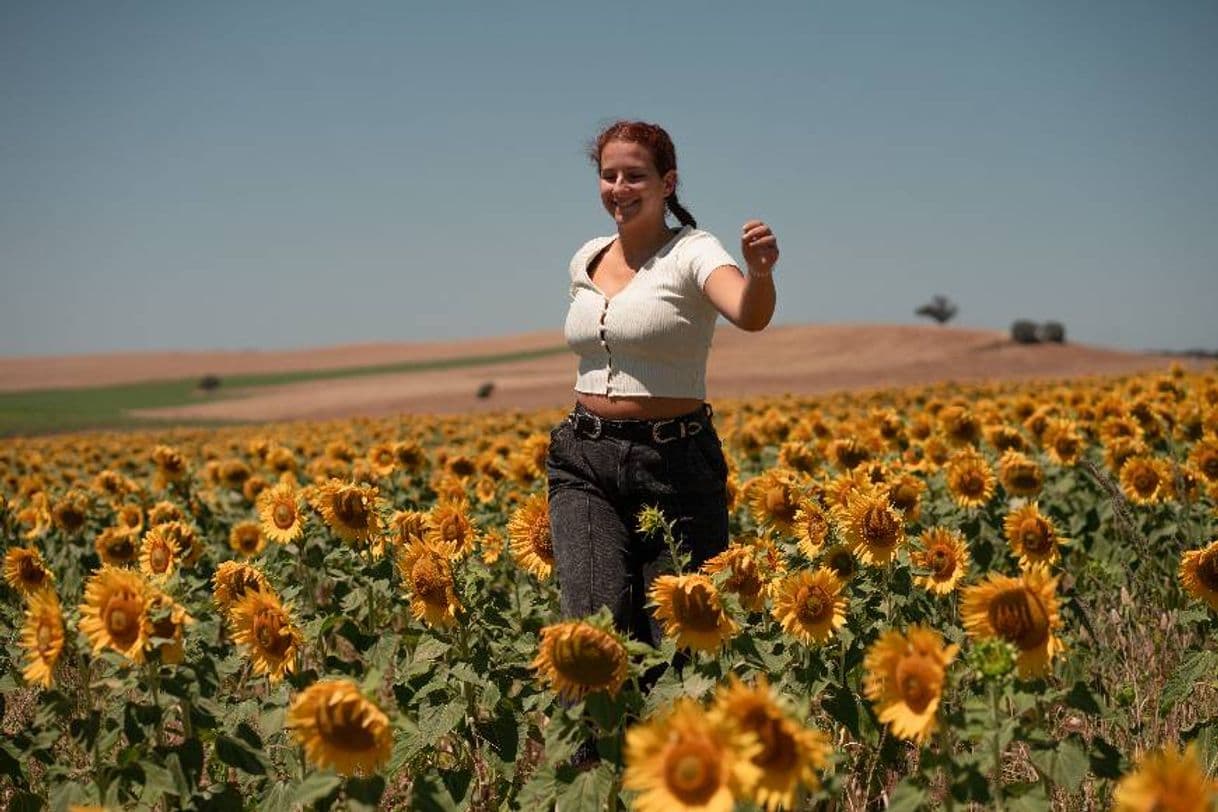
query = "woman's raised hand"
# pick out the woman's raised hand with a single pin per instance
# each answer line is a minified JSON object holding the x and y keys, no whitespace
{"x":759,"y":246}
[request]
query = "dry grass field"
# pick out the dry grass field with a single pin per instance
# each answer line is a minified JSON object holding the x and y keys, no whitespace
{"x":799,"y":359}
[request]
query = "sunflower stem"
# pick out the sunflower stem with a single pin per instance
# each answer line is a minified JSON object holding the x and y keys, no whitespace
{"x":946,"y":758}
{"x":995,"y":719}
{"x":154,"y":682}
{"x":188,"y":728}
{"x":371,"y":606}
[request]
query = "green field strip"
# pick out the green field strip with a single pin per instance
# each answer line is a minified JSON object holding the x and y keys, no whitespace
{"x":102,"y":407}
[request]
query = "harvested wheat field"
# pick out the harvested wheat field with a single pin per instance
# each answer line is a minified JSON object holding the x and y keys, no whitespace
{"x":802,"y":359}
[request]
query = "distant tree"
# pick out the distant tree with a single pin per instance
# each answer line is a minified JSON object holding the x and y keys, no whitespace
{"x":485,"y":390}
{"x":209,"y":383}
{"x":1025,"y":332}
{"x":940,"y":308}
{"x":1053,"y":332}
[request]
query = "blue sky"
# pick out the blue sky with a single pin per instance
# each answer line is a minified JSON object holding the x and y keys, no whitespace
{"x":284,"y":174}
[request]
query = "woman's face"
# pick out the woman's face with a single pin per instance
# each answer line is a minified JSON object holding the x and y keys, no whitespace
{"x":632,"y":191}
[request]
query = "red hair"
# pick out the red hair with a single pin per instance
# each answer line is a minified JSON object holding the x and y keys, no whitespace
{"x":657,"y":142}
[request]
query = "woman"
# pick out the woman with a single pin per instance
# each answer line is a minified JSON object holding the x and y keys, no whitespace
{"x":643,"y":309}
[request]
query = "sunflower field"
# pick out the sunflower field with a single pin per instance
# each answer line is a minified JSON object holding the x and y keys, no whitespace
{"x":995,"y":596}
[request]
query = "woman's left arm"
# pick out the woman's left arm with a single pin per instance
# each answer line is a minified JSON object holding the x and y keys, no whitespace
{"x":747,"y":301}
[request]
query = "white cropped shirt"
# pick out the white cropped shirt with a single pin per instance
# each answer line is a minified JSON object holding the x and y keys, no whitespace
{"x":654,"y":335}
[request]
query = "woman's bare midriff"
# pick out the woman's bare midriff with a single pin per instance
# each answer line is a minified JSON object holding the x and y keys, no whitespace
{"x":636,"y":408}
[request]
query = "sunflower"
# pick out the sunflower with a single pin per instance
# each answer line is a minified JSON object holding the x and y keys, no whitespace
{"x":1143,"y":480}
{"x":253,"y":488}
{"x":1032,"y":536}
{"x":492,"y":545}
{"x":945,"y":555}
{"x":811,"y":527}
{"x":1166,"y":780}
{"x":164,"y":511}
{"x":410,"y":455}
{"x":790,"y":753}
{"x":529,"y":536}
{"x":750,"y":567}
{"x":382,"y":459}
{"x":427,"y":573}
{"x":1120,"y":449}
{"x":688,"y":759}
{"x":449,"y":525}
{"x":578,"y":657}
{"x":1204,"y":455}
{"x":904,"y":680}
{"x":1019,"y":474}
{"x":279,"y":513}
{"x":959,"y":425}
{"x":233,"y":580}
{"x":1199,"y":574}
{"x":904,"y":493}
{"x":847,"y":453}
{"x":774,"y":498}
{"x":117,"y":546}
{"x":409,"y":525}
{"x":112,"y":615}
{"x":969,"y":478}
{"x":71,"y":511}
{"x":170,"y":465}
{"x":689,"y":608}
{"x":36,"y":515}
{"x":1005,"y":438}
{"x":246,"y":538}
{"x":263,"y":626}
{"x":1064,"y":442}
{"x":164,"y":622}
{"x":42,"y":636}
{"x":130,"y":516}
{"x":846,"y":484}
{"x":158,"y":553}
{"x":340,"y":728}
{"x":25,"y":570}
{"x":1023,"y":611}
{"x":871,"y":526}
{"x":186,"y":537}
{"x":810,"y":605}
{"x":799,"y":456}
{"x":841,"y":559}
{"x":349,"y":510}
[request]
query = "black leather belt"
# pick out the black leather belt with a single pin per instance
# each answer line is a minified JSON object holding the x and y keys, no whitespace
{"x":654,"y":432}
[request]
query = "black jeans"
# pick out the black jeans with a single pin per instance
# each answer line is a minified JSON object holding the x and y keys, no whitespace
{"x":597,"y":486}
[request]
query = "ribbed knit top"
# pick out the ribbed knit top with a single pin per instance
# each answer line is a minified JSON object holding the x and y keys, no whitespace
{"x":653,"y":336}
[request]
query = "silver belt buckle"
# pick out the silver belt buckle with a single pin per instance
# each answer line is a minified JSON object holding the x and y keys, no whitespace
{"x":597,"y":426}
{"x":655,"y":431}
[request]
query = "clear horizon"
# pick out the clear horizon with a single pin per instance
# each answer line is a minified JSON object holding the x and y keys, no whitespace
{"x":293,"y":175}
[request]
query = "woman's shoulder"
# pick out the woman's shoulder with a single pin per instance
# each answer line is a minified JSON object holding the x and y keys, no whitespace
{"x":579,"y":260}
{"x":699,"y":247}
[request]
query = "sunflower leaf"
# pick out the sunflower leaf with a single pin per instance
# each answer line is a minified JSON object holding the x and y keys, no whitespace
{"x":365,"y":793}
{"x":1205,"y":736}
{"x":906,"y":797}
{"x":316,"y":786}
{"x":1180,"y":684}
{"x":237,"y":753}
{"x":540,"y":790}
{"x":1065,"y":764}
{"x":1106,"y":760}
{"x":1030,"y":797}
{"x":589,"y":791}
